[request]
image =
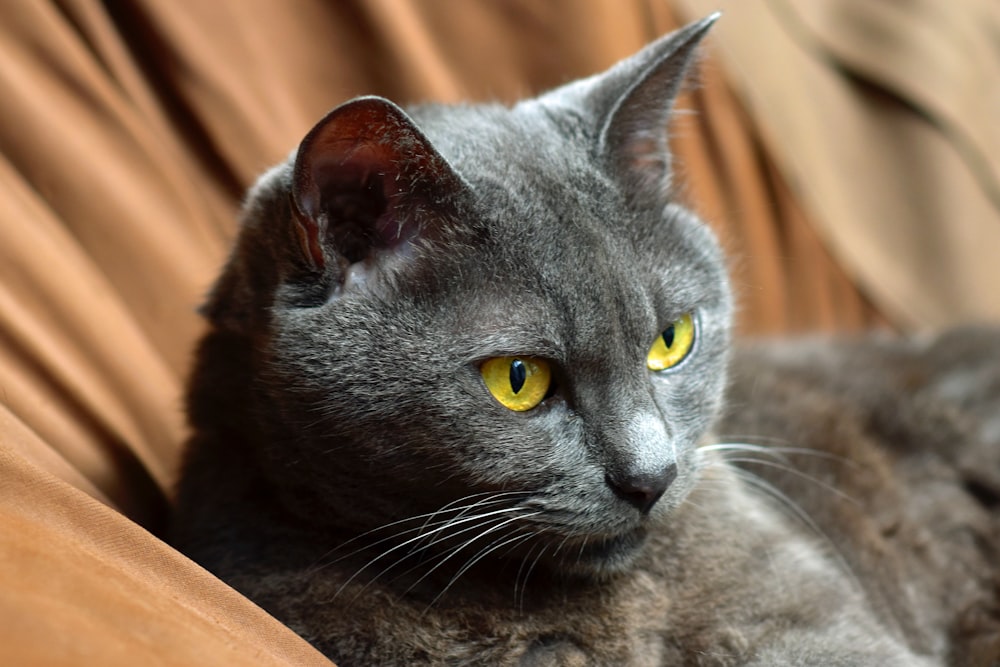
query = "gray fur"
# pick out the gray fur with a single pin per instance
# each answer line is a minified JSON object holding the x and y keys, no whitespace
{"x":350,"y":472}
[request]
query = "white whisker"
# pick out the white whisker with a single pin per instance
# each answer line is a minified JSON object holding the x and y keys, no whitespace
{"x":527,"y":576}
{"x":456,"y":550}
{"x":482,"y":554}
{"x":520,"y":569}
{"x":776,"y":451}
{"x":421,"y":536}
{"x":818,"y":482}
{"x":798,"y":512}
{"x":387,"y":526}
{"x":492,"y":500}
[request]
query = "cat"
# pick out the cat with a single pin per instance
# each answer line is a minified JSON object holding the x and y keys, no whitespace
{"x":465,"y":401}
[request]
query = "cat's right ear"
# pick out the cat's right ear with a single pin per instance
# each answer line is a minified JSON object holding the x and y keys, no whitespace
{"x":367,"y":183}
{"x":632,"y":103}
{"x":634,"y":136}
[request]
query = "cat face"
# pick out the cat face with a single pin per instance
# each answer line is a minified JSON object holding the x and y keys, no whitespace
{"x":492,"y":319}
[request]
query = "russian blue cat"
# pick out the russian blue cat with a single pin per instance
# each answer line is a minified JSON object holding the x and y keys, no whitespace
{"x":462,"y":403}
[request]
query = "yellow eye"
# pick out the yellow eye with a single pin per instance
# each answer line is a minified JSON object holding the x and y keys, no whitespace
{"x":671,"y":346}
{"x":519,"y":383}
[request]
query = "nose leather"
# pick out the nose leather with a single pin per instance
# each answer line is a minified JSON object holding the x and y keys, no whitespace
{"x":640,"y":489}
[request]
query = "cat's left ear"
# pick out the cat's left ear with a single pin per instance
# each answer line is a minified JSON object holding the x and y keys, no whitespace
{"x":366,"y":182}
{"x":634,"y":100}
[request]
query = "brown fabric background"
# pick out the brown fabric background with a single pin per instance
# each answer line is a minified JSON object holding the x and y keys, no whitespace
{"x":884,"y":120}
{"x":128,"y":132}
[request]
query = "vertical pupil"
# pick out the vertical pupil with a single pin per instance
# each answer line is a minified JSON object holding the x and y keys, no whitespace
{"x":518,"y":374}
{"x":668,"y":336}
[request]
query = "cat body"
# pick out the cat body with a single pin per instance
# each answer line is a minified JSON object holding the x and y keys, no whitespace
{"x":355,"y":471}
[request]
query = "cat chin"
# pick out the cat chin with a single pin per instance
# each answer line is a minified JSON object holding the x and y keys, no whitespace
{"x":602,"y":557}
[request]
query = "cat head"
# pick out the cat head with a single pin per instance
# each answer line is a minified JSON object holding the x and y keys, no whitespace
{"x":494,"y":314}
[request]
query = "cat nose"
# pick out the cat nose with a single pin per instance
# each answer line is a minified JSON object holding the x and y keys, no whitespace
{"x":642,"y":489}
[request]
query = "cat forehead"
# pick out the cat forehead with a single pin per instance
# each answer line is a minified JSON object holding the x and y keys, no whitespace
{"x":555,"y":218}
{"x":540,"y":265}
{"x":529,"y":143}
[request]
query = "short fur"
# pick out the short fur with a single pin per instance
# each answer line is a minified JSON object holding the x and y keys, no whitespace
{"x":350,"y":472}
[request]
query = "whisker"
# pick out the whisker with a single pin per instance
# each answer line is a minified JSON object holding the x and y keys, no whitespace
{"x":384,"y":527}
{"x":445,"y":525}
{"x":790,"y":505}
{"x":747,"y":437}
{"x":469,"y":564}
{"x":527,"y":576}
{"x":561,"y":545}
{"x":776,"y":451}
{"x":820,"y":483}
{"x":517,"y":577}
{"x":421,"y":564}
{"x":494,"y":499}
{"x":519,"y":599}
{"x":781,"y":497}
{"x":456,"y":550}
{"x":474,"y":517}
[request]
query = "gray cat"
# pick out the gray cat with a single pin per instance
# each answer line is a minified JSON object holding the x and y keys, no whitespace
{"x":456,"y":408}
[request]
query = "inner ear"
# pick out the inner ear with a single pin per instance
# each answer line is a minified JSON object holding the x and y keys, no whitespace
{"x":351,"y":199}
{"x":363,"y":182}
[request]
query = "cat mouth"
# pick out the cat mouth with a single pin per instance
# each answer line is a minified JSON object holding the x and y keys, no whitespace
{"x":609,"y":546}
{"x":606,"y":554}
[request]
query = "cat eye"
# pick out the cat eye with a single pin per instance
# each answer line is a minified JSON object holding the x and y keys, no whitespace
{"x":672,"y":345}
{"x":518,"y":383}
